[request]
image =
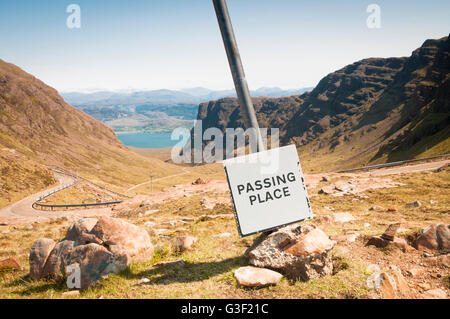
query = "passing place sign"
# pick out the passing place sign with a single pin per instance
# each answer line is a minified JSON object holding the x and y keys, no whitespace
{"x":268,"y":190}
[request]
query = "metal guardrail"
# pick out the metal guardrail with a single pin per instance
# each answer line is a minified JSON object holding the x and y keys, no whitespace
{"x":77,"y":179}
{"x":75,"y":205}
{"x":63,"y":171}
{"x":366,"y":168}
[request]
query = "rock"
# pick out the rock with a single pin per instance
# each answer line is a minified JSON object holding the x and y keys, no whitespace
{"x":124,"y":238}
{"x":4,"y":224}
{"x":29,"y":227}
{"x":298,"y":252}
{"x":377,"y":208}
{"x":58,"y":260}
{"x":256,"y":277}
{"x":183,"y":243}
{"x":443,"y":168}
{"x":392,"y":209}
{"x":144,"y":280}
{"x":328,"y":208}
{"x":391,"y":231}
{"x":435,"y":237}
{"x":432,"y":202}
{"x":188,"y":220}
{"x":327,"y":190}
{"x":400,"y":282}
{"x":337,"y":218}
{"x":11,"y":263}
{"x":414,"y":204}
{"x":366,"y":225}
{"x":444,"y":260}
{"x":73,"y":293}
{"x":95,"y":262}
{"x":313,"y":242}
{"x":83,"y":245}
{"x":79,"y":231}
{"x":434,"y":294}
{"x":380,"y":242}
{"x":377,"y":241}
{"x":198,"y":181}
{"x":416,"y":272}
{"x":40,"y":250}
{"x":326,"y":179}
{"x":343,"y":186}
{"x":5,"y":232}
{"x":388,"y":287}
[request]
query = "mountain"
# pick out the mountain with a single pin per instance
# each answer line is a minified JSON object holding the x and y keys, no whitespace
{"x":372,"y":111}
{"x":154,"y":111}
{"x":164,"y":97}
{"x":38,"y":128}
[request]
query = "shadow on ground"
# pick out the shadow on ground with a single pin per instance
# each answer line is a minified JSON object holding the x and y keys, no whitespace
{"x":188,"y":272}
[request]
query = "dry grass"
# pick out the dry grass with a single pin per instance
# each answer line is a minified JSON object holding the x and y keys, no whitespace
{"x":208,"y":272}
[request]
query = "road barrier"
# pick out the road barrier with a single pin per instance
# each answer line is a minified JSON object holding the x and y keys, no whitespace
{"x":56,"y":169}
{"x":366,"y":168}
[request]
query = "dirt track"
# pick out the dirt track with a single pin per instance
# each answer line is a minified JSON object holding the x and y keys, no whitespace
{"x":21,"y":212}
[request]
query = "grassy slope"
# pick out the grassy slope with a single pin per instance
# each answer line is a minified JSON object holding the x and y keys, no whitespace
{"x":209,"y":266}
{"x":20,"y":177}
{"x":36,"y":122}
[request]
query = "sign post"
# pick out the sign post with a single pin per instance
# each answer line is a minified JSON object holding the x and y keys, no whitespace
{"x":237,"y":70}
{"x":267,"y":188}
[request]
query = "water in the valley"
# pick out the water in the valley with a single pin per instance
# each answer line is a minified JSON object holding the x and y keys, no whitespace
{"x":147,"y":140}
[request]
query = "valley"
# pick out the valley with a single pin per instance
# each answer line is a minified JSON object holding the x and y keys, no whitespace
{"x":380,"y":233}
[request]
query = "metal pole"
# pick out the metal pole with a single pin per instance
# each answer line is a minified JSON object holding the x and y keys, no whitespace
{"x":237,"y":70}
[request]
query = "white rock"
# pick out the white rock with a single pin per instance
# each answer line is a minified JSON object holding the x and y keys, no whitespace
{"x":256,"y":277}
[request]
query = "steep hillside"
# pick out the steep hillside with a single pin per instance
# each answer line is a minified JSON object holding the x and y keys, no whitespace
{"x":374,"y":110}
{"x":37,"y":123}
{"x":20,"y":176}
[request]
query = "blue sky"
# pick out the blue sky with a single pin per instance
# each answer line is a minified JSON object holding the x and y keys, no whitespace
{"x":152,"y":44}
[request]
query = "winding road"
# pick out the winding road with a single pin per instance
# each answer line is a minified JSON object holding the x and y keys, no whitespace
{"x":22,"y":211}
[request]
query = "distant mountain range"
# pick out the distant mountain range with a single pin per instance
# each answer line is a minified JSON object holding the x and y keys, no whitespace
{"x":374,"y":110}
{"x":154,"y":111}
{"x":192,"y":95}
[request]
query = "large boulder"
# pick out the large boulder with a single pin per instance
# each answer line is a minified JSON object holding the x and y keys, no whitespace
{"x":298,"y":252}
{"x":80,"y":230}
{"x":98,"y":247}
{"x":96,"y":261}
{"x":58,"y":260}
{"x":40,"y":250}
{"x":124,"y":238}
{"x":435,"y":237}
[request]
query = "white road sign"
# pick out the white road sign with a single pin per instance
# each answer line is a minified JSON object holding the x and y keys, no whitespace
{"x":268,"y":190}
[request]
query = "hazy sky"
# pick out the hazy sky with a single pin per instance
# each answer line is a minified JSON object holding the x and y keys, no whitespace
{"x":153,"y":44}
